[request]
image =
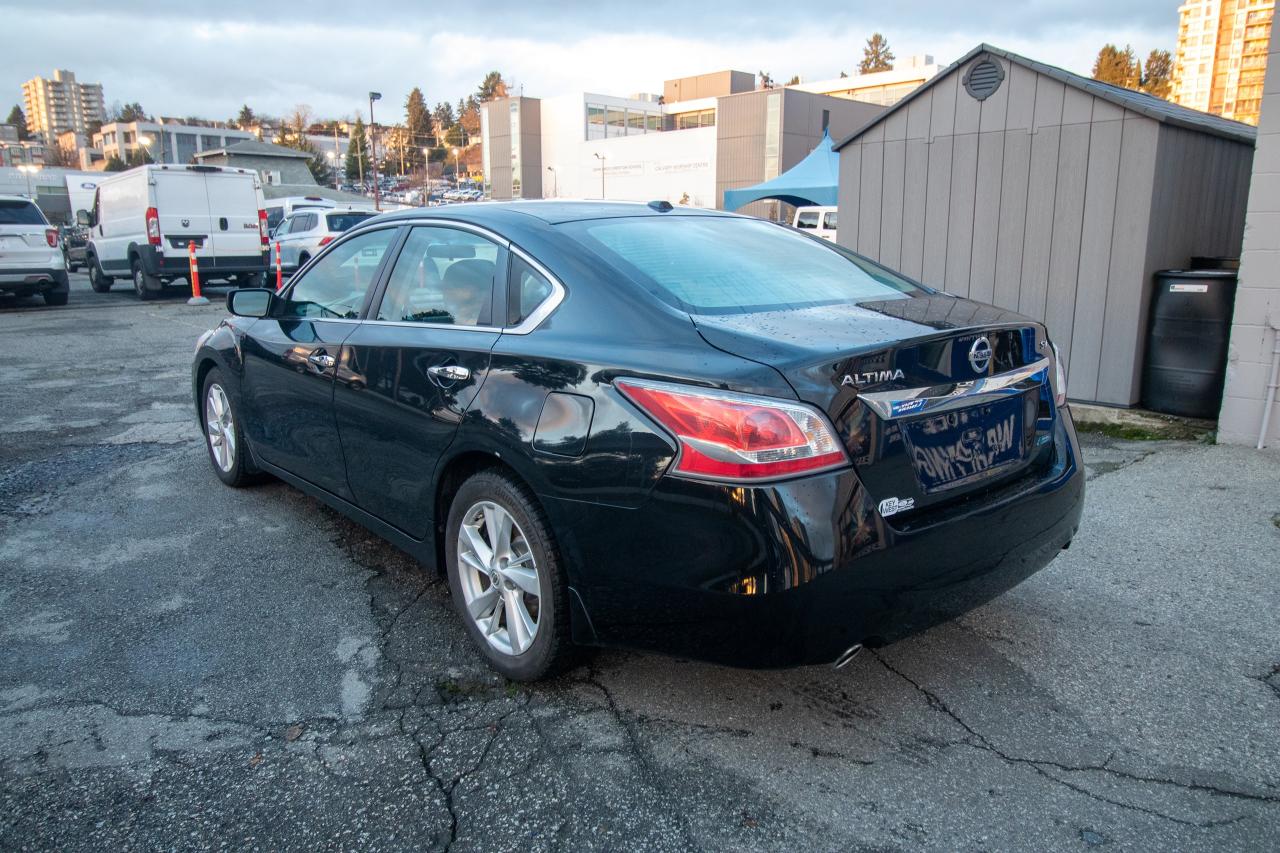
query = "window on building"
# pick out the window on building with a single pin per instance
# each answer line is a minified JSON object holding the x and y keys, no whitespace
{"x":635,"y":121}
{"x":595,"y":121}
{"x":653,"y":122}
{"x":616,"y":118}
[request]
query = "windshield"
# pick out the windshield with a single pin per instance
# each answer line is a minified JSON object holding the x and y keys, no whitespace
{"x":20,"y":213}
{"x":730,"y":265}
{"x":343,"y":221}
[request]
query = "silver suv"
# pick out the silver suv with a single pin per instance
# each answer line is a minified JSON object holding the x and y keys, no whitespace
{"x":31,"y":259}
{"x":302,"y":234}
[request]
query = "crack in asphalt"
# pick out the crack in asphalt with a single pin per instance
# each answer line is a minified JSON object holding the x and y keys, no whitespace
{"x":981,"y":742}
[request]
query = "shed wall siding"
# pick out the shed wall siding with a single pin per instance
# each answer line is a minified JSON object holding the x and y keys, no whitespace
{"x":1041,"y":199}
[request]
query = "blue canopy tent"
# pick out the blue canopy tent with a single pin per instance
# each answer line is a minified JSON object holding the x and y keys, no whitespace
{"x":814,"y":180}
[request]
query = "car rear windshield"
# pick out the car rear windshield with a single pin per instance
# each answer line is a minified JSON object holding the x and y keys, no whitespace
{"x":343,"y":221}
{"x":20,"y":213}
{"x":728,"y":265}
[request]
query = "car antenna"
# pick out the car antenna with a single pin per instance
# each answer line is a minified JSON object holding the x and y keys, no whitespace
{"x":660,"y":206}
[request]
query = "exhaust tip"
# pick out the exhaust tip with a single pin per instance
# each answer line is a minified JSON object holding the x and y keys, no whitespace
{"x":847,"y":656}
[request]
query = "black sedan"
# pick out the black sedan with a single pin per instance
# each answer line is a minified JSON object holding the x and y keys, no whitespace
{"x":667,"y":429}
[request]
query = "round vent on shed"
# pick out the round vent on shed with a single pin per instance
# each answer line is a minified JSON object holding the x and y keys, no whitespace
{"x":983,"y":78}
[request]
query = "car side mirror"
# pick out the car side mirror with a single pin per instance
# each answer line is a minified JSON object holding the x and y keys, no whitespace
{"x":83,"y":218}
{"x":250,"y":302}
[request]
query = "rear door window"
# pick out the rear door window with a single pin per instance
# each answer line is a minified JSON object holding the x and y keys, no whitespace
{"x":807,"y":219}
{"x":443,"y":276}
{"x":829,"y":220}
{"x":345,"y":221}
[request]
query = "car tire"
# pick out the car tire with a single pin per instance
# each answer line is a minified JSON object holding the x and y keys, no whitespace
{"x":97,"y":280}
{"x":551,"y":649}
{"x":146,"y":286}
{"x":224,"y":433}
{"x":61,"y":290}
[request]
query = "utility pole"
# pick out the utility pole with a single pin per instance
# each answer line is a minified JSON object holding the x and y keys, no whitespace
{"x":373,"y":159}
{"x":601,"y":159}
{"x":336,"y":154}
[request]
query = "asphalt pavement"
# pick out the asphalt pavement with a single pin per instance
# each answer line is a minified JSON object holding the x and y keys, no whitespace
{"x":186,"y":666}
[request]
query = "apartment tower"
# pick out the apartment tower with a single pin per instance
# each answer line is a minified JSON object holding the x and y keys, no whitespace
{"x":1222,"y":56}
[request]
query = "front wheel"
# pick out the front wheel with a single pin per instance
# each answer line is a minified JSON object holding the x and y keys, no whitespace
{"x":99,"y":282}
{"x":224,"y":438}
{"x":506,"y":578}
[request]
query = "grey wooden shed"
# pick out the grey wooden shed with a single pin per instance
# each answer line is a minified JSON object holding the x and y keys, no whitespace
{"x":1017,"y":183}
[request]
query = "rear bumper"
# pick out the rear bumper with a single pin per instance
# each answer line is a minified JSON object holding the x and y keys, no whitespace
{"x":798,"y":572}
{"x":174,"y":265}
{"x":25,"y":280}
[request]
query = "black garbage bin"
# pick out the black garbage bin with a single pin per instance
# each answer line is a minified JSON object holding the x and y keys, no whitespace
{"x":1187,"y":346}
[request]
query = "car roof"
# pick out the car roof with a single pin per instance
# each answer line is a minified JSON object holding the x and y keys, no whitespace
{"x":550,"y":212}
{"x":16,"y":198}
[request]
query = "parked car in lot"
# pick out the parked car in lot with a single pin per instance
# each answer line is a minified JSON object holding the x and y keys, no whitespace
{"x":303,"y":234}
{"x":820,"y":221}
{"x":144,"y":220}
{"x":31,"y":259}
{"x":74,"y":240}
{"x":669,"y":429}
{"x":280,"y":208}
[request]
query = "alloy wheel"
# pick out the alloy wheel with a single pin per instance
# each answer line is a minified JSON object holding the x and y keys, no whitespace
{"x":499,"y":576}
{"x":220,"y":427}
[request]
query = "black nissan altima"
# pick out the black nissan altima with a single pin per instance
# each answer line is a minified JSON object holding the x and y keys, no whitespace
{"x":668,"y":429}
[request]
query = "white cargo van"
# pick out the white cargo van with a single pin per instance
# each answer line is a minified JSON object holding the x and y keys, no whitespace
{"x":820,"y":221}
{"x":144,"y":219}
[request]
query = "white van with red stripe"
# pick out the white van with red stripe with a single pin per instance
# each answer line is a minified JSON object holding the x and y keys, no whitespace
{"x":145,"y":220}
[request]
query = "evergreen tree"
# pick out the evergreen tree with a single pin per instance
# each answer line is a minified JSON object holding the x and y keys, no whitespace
{"x":491,"y":88}
{"x":1117,"y":67}
{"x":246,"y":118}
{"x":443,"y":115}
{"x":1157,"y":77}
{"x":357,"y":162}
{"x":417,"y":124}
{"x":876,"y":56}
{"x":132,"y":112}
{"x":795,"y":79}
{"x":18,"y":119}
{"x":114,"y":164}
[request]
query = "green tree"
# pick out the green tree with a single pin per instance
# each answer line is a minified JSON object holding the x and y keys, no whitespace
{"x":138,"y":157}
{"x":491,"y":88}
{"x":417,"y":123}
{"x":443,"y":115}
{"x":357,"y":162}
{"x":1157,"y":77}
{"x":246,"y":118}
{"x":876,"y":56}
{"x":293,"y":134}
{"x":132,"y":112}
{"x":795,"y":80}
{"x":1117,"y":67}
{"x":18,"y":119}
{"x":114,"y":164}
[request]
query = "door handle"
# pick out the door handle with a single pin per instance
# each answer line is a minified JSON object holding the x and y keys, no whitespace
{"x":449,"y":372}
{"x":321,"y":359}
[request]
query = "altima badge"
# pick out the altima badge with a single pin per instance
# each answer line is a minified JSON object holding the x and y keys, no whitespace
{"x":871,"y":377}
{"x":891,"y":506}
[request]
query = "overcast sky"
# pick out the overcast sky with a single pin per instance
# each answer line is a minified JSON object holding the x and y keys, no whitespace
{"x":207,"y":59}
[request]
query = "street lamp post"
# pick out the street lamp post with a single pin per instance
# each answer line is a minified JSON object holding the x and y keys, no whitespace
{"x":426,"y":175}
{"x":333,"y":166}
{"x":555,"y":190}
{"x":601,"y":159}
{"x":145,"y":142}
{"x":373,"y":145}
{"x":457,"y":182}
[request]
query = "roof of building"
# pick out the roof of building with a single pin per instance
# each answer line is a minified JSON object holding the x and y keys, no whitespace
{"x":254,"y":148}
{"x":1150,"y":106}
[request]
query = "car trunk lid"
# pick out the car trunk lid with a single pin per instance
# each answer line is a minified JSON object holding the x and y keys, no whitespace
{"x":934,"y":397}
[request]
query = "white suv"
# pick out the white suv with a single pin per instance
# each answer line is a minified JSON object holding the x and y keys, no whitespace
{"x":31,"y":259}
{"x":305,"y":232}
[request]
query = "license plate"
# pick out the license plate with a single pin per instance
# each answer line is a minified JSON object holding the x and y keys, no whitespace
{"x":952,"y":448}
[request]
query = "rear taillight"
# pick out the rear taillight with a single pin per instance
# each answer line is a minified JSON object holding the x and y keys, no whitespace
{"x":326,"y":240}
{"x":737,"y":437}
{"x":153,"y":226}
{"x":263,"y":231}
{"x":51,"y":237}
{"x":1059,"y":383}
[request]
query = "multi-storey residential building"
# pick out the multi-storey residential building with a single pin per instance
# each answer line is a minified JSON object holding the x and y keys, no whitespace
{"x":170,"y":142}
{"x":61,"y":104}
{"x":1222,"y":56}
